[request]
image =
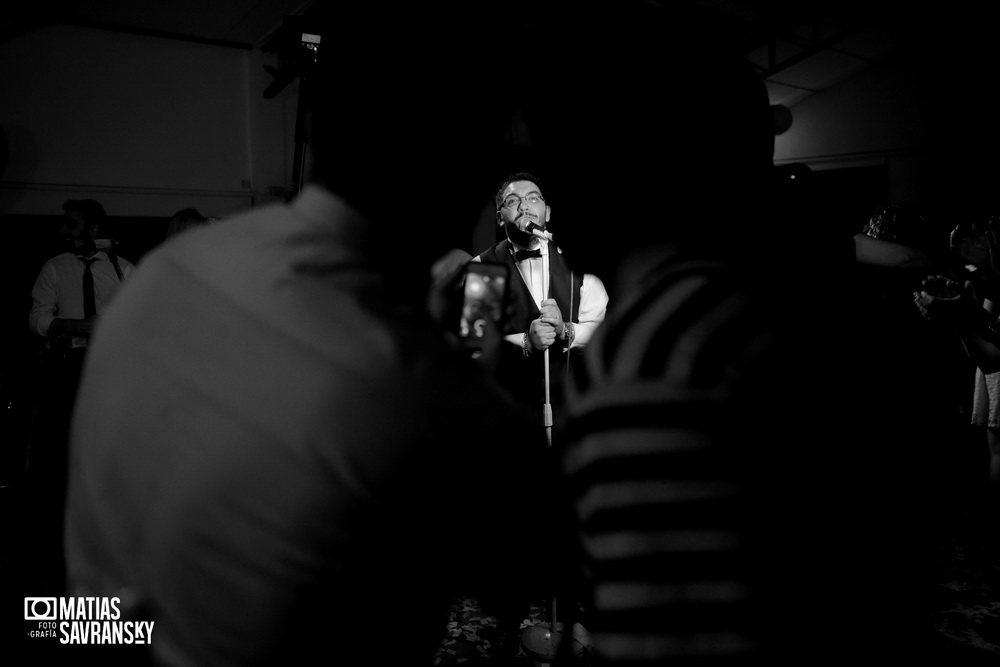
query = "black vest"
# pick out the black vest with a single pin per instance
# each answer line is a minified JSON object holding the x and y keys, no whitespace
{"x":524,"y":377}
{"x":524,"y":308}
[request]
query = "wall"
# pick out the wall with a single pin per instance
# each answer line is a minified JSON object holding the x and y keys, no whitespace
{"x":145,"y":125}
{"x":882,"y":117}
{"x":150,"y":125}
{"x":923,"y":116}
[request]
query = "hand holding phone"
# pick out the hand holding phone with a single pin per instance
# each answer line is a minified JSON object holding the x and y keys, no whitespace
{"x":483,"y":302}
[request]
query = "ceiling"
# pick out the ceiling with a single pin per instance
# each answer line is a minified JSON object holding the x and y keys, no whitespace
{"x":237,"y":23}
{"x":800,"y":48}
{"x":803,"y":49}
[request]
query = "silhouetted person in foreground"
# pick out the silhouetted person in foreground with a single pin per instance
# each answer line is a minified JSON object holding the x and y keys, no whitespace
{"x":275,"y":448}
{"x":714,"y":455}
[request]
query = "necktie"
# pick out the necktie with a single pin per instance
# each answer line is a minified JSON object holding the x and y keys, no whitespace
{"x":89,"y":306}
{"x":521,"y":255}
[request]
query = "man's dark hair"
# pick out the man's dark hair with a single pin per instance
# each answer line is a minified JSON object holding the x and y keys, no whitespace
{"x":183,"y":219}
{"x":517,"y":176}
{"x":906,"y":224}
{"x":89,"y":209}
{"x":188,"y":215}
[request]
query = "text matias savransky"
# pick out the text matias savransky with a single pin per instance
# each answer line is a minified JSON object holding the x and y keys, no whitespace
{"x":84,"y":620}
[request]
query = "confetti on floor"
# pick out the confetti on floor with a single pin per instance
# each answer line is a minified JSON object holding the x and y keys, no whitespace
{"x":471,"y":634}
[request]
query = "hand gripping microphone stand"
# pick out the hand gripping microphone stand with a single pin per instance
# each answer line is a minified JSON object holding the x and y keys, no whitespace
{"x":545,"y":238}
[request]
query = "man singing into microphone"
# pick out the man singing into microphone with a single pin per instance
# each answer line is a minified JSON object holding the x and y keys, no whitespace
{"x":552,"y":307}
{"x":560,"y":319}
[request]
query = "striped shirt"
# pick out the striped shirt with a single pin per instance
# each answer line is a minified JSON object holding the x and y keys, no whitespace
{"x":656,"y":462}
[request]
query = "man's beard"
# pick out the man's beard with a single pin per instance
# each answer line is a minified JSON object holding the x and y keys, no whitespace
{"x":78,"y":246}
{"x":521,"y":238}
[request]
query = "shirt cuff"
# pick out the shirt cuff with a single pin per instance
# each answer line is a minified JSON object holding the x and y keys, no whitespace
{"x":41,"y":325}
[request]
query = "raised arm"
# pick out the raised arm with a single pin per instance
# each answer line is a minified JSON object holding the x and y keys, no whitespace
{"x":593,"y":308}
{"x":876,"y":252}
{"x":955,"y":304}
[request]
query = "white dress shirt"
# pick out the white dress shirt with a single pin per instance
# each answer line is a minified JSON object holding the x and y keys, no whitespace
{"x":58,"y":289}
{"x":593,"y":297}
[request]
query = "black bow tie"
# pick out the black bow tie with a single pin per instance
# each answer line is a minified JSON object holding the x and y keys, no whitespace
{"x":521,"y":255}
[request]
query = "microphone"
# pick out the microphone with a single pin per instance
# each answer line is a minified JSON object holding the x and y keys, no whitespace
{"x":535,"y":230}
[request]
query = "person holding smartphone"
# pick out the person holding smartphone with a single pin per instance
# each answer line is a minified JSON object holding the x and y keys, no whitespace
{"x":274,"y":439}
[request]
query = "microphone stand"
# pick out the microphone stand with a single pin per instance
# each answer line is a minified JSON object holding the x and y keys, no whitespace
{"x":542,"y":642}
{"x":545,"y":238}
{"x":547,"y":406}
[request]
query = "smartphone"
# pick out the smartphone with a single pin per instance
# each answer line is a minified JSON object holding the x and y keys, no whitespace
{"x":484,"y":298}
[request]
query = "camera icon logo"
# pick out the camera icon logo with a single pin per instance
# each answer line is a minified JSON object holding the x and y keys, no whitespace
{"x":40,"y":609}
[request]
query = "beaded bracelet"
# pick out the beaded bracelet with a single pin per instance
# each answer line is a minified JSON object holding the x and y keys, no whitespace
{"x":569,"y":333}
{"x":524,"y":345}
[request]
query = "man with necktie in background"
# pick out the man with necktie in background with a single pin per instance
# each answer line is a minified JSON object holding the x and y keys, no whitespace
{"x":74,"y":287}
{"x":71,"y":291}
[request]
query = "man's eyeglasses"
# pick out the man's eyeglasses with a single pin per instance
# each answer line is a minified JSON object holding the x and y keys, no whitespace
{"x":513,"y":201}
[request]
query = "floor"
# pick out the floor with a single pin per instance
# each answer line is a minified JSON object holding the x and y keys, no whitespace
{"x":968,"y":607}
{"x":966,"y":617}
{"x":470,"y":636}
{"x":967,"y":575}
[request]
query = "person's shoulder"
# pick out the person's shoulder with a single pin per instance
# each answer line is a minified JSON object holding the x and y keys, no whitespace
{"x":125,"y":263}
{"x":494,"y":253}
{"x":61,"y":257}
{"x":58,"y":261}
